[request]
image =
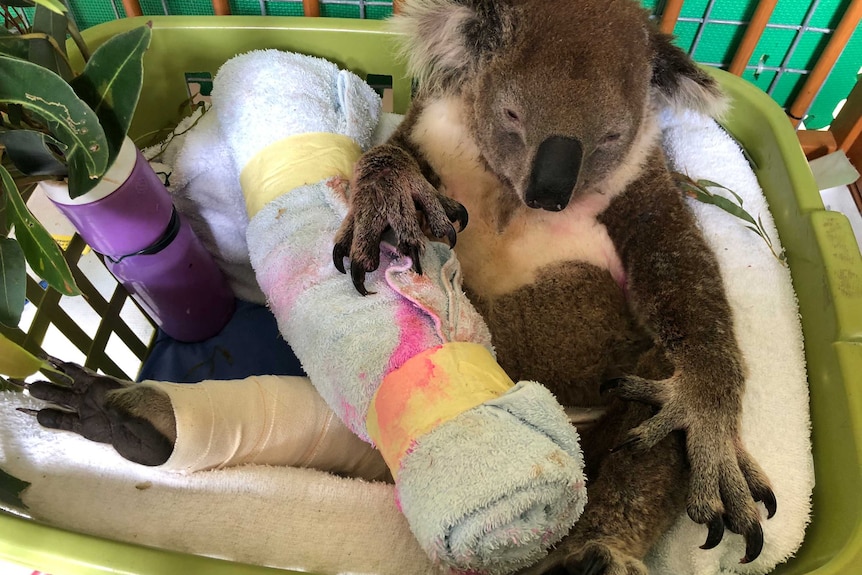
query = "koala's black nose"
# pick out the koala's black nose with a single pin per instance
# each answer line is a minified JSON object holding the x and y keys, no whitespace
{"x":554,"y":174}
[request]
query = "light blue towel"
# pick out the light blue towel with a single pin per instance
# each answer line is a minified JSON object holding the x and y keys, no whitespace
{"x":488,"y":491}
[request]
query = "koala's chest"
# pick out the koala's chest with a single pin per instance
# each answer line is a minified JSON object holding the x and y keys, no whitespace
{"x":506,"y":244}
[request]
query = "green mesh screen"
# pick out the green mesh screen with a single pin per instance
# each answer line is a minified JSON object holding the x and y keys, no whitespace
{"x":710,"y":30}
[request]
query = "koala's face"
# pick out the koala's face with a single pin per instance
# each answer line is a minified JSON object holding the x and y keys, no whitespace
{"x":558,"y":108}
{"x":560,"y":93}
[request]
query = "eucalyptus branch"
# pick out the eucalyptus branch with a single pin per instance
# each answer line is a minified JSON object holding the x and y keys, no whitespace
{"x":75,"y":33}
{"x":11,"y":17}
{"x":174,"y":132}
{"x":699,"y":190}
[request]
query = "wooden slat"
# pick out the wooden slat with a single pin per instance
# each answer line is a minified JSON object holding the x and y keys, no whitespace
{"x":221,"y":7}
{"x":752,"y":35}
{"x":132,"y":8}
{"x":847,"y":127}
{"x":311,"y":8}
{"x":670,"y":15}
{"x":816,"y":143}
{"x":826,"y":62}
{"x":856,"y":193}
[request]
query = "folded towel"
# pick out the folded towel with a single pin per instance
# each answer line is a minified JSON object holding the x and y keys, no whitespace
{"x":488,"y":474}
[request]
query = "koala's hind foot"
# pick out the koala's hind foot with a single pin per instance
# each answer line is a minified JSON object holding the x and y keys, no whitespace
{"x":390,"y":191}
{"x":137,"y":421}
{"x":593,"y":558}
{"x":634,"y":498}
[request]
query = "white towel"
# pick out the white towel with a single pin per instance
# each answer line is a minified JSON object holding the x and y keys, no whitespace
{"x":204,"y":185}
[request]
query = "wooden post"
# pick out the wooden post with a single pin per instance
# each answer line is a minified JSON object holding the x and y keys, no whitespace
{"x":311,"y":8}
{"x":847,"y":127}
{"x":132,"y":8}
{"x":670,"y":15}
{"x":396,"y":6}
{"x":221,"y":7}
{"x":826,"y":62}
{"x":752,"y":36}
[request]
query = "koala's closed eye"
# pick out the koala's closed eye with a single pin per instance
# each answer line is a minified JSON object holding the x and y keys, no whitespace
{"x":511,"y":115}
{"x":611,"y":138}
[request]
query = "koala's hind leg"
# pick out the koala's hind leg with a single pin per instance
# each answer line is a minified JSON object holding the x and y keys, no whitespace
{"x":633,"y":499}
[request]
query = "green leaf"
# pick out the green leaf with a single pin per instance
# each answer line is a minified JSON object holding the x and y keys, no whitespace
{"x":40,"y":250}
{"x":70,"y":120}
{"x":12,"y":44}
{"x":733,"y":209}
{"x":711,"y":184}
{"x":13,"y":281}
{"x":11,"y":489}
{"x":45,"y":53}
{"x":31,"y":153}
{"x":111,"y":83}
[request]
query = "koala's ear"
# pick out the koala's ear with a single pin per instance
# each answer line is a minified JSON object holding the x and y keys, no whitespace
{"x":443,"y":39}
{"x":679,"y":83}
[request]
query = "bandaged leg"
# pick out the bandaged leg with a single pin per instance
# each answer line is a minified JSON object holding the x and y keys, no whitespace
{"x":267,"y":420}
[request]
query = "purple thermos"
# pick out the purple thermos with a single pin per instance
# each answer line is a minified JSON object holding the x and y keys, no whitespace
{"x":149,"y":247}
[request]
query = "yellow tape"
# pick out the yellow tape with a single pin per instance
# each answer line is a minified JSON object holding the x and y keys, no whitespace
{"x":293,"y":162}
{"x":429,"y":389}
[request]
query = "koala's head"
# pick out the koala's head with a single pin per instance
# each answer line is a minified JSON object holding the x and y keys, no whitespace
{"x":562,"y":94}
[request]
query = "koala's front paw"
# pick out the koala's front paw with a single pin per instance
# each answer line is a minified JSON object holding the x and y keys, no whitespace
{"x":389,"y":191}
{"x":86,"y":406}
{"x":592,"y":558}
{"x":725,"y":480}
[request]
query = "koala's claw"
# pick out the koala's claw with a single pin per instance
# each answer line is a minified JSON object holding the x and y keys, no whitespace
{"x":339,"y":252}
{"x":357,"y":275}
{"x":753,"y":544}
{"x":768,"y":500}
{"x":716,"y":533}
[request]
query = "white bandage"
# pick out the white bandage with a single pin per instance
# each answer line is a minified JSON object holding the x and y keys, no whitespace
{"x":267,"y":420}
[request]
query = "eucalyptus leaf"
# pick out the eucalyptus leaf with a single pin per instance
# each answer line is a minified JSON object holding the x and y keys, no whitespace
{"x":111,"y":83}
{"x":40,"y":250}
{"x":70,"y":120}
{"x":711,"y":184}
{"x":13,"y":282}
{"x":10,"y":491}
{"x":45,"y":53}
{"x":31,"y":153}
{"x":12,"y":44}
{"x":733,"y":209}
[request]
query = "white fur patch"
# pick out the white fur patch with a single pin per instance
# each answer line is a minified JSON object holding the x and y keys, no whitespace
{"x":693,"y":96}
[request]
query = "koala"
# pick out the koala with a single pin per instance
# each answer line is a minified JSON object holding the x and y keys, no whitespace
{"x":538,"y":120}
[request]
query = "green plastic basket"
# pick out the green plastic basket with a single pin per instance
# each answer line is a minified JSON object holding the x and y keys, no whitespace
{"x":821,"y":251}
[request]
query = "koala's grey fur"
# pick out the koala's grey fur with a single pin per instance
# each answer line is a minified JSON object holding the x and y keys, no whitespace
{"x":538,"y":119}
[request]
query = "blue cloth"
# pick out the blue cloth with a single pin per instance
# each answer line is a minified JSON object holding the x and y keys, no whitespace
{"x":250,"y":344}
